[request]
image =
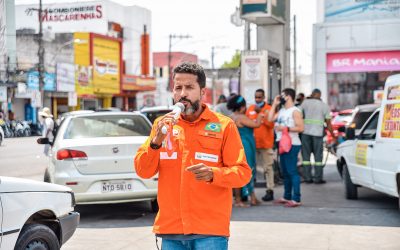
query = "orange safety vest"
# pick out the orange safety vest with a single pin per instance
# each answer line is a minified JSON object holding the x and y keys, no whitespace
{"x":188,"y":206}
{"x":264,"y":135}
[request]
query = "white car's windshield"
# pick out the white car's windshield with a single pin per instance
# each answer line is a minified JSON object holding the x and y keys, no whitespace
{"x":107,"y":126}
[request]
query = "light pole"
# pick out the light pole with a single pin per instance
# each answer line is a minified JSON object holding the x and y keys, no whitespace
{"x":172,"y":36}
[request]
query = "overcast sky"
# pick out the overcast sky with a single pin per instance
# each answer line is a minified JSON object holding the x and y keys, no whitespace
{"x":208,"y":22}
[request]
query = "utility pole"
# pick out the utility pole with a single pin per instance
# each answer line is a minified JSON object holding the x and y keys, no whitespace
{"x":295,"y":53}
{"x":41,"y":55}
{"x":172,"y":36}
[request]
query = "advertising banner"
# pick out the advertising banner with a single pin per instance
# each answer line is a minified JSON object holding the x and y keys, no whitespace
{"x":65,"y":77}
{"x":106,"y":65}
{"x":358,"y":10}
{"x":49,"y":81}
{"x":393,"y":93}
{"x":391,"y":121}
{"x":254,"y":74}
{"x":363,"y":61}
{"x":83,"y":70}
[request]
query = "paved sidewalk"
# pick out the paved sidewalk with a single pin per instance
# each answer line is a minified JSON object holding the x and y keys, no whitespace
{"x":249,"y":235}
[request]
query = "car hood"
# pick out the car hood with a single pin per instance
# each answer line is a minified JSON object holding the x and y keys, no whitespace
{"x":12,"y":185}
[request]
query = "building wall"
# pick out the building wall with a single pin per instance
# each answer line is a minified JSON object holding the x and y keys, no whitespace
{"x":377,"y":35}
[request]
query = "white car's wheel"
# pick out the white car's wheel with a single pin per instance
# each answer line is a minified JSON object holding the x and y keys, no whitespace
{"x":37,"y":237}
{"x":154,"y":206}
{"x":350,"y":189}
{"x":1,"y":139}
{"x":46,"y":177}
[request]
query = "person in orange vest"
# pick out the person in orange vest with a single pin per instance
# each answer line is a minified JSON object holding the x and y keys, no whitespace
{"x":196,"y":178}
{"x":264,"y":136}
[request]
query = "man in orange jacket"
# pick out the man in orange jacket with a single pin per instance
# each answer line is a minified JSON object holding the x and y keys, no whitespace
{"x":196,"y":178}
{"x":264,"y":136}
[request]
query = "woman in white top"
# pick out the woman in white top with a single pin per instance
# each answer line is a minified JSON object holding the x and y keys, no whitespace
{"x":288,"y":116}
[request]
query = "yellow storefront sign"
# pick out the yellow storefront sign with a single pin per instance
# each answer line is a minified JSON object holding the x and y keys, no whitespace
{"x":391,"y":121}
{"x":83,"y":70}
{"x":106,"y":65}
{"x":361,"y":154}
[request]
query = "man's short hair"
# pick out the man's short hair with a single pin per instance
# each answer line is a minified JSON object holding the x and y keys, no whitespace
{"x":290,"y":92}
{"x":194,"y":69}
{"x":261,"y":91}
{"x":316,"y":91}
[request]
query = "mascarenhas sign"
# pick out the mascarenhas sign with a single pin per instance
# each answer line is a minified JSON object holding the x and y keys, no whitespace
{"x":72,"y":13}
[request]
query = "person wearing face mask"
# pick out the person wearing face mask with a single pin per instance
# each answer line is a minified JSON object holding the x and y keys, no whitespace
{"x":195,"y":181}
{"x":264,"y":137}
{"x":289,"y":117}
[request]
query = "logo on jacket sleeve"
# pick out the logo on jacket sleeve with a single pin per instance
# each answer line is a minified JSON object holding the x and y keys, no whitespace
{"x":213,"y":126}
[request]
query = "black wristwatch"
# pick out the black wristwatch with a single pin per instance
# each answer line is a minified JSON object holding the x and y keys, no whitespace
{"x":155,"y":146}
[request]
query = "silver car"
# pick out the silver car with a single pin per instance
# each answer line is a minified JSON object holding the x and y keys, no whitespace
{"x":93,"y":154}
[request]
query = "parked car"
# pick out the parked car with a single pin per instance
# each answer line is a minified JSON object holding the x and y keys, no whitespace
{"x":371,"y":157}
{"x":93,"y":154}
{"x":152,"y":113}
{"x":35,"y":215}
{"x":339,"y":120}
{"x":360,"y":115}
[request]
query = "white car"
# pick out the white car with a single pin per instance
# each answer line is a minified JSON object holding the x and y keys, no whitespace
{"x":93,"y":154}
{"x":371,"y":158}
{"x":35,"y":215}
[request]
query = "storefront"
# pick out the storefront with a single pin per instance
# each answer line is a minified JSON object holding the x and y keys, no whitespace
{"x":358,"y":77}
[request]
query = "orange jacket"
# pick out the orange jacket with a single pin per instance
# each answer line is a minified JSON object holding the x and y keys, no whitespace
{"x":264,"y":134}
{"x":188,"y":206}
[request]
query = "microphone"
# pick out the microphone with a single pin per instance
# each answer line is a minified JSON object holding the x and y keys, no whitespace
{"x":178,"y":108}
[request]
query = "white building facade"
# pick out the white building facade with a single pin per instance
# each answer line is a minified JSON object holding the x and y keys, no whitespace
{"x":356,"y":46}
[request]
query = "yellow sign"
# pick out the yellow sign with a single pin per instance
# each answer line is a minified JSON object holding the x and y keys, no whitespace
{"x":106,"y":65}
{"x":391,"y":121}
{"x":361,"y":154}
{"x":83,"y":70}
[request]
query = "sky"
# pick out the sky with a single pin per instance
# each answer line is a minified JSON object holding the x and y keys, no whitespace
{"x":208,"y":23}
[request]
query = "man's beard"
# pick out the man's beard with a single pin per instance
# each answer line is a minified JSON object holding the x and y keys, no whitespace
{"x":194,"y":106}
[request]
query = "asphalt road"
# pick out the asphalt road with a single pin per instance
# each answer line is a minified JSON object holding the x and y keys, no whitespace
{"x":325,"y":212}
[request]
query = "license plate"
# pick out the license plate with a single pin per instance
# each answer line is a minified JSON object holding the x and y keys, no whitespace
{"x":116,"y":187}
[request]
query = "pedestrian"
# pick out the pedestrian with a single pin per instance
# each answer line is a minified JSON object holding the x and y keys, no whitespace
{"x":316,"y":114}
{"x":289,"y":117}
{"x":195,"y":181}
{"x":2,"y":115}
{"x":264,"y":137}
{"x":46,"y":119}
{"x":221,"y":106}
{"x":299,"y":99}
{"x":245,"y":126}
{"x":11,"y":115}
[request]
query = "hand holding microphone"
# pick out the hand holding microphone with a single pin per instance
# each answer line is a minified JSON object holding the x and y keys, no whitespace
{"x":178,"y":108}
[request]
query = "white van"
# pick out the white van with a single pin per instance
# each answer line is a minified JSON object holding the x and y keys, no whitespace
{"x":372,"y":158}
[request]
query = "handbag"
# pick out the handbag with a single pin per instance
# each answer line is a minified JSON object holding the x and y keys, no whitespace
{"x":285,"y":144}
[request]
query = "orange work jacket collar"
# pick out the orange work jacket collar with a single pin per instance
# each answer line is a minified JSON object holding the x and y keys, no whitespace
{"x":205,"y":115}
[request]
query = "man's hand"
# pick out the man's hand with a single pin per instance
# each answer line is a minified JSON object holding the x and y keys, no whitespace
{"x":201,"y":172}
{"x":167,"y":120}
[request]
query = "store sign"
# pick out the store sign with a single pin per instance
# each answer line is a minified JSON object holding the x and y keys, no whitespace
{"x":363,"y":61}
{"x":65,"y":77}
{"x":136,"y":83}
{"x":358,"y":10}
{"x":49,"y":81}
{"x":106,"y":65}
{"x":252,"y":69}
{"x":72,"y":13}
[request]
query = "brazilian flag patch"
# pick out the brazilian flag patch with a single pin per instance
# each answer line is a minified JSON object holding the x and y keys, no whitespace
{"x":213,"y":126}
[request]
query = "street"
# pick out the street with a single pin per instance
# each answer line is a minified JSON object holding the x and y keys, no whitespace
{"x":326,"y":220}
